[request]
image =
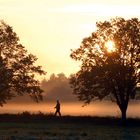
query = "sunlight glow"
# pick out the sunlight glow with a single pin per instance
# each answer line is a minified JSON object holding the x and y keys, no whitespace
{"x":51,"y":28}
{"x":98,"y":48}
{"x":110,"y":46}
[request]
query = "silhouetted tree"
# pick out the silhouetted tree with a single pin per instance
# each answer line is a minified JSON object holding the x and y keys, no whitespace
{"x":110,"y":63}
{"x":17,"y":69}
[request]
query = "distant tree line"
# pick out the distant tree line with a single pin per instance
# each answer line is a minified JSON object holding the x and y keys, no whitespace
{"x":57,"y":87}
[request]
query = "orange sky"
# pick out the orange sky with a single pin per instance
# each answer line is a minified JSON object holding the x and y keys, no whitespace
{"x":50,"y":28}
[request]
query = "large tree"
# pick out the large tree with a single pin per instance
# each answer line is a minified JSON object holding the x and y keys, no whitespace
{"x":110,"y":63}
{"x":17,"y":68}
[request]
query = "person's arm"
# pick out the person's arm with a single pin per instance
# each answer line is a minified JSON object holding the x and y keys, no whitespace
{"x":55,"y":106}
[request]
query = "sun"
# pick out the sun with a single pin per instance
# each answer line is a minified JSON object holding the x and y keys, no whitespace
{"x":110,"y":46}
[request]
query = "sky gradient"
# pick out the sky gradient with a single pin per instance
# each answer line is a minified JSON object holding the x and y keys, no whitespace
{"x":50,"y":29}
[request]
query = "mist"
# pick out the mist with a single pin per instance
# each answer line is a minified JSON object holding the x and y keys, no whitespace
{"x":58,"y":87}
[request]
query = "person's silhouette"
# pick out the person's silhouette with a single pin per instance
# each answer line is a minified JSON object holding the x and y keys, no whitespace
{"x":57,"y":107}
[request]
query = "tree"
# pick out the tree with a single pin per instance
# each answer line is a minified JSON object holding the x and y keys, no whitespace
{"x":17,"y":69}
{"x":110,"y":63}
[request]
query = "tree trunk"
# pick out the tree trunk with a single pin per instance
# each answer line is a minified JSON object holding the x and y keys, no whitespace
{"x":123,"y":111}
{"x":123,"y":115}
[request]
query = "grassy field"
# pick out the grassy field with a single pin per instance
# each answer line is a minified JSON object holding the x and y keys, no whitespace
{"x":42,"y":127}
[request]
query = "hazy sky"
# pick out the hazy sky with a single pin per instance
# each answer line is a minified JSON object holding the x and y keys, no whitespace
{"x":50,"y":28}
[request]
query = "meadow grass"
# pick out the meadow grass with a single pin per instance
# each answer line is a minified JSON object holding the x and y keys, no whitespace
{"x":27,"y":126}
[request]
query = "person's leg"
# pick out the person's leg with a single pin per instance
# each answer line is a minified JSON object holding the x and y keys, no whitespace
{"x":59,"y":113}
{"x":55,"y":113}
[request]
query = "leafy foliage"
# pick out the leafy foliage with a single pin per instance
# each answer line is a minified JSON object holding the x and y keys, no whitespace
{"x":17,"y":69}
{"x":105,"y":73}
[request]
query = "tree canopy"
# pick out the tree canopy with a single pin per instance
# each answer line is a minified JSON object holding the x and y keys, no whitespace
{"x":17,"y":68}
{"x":110,"y":63}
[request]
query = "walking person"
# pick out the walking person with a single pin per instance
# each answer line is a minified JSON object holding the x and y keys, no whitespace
{"x":57,"y":107}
